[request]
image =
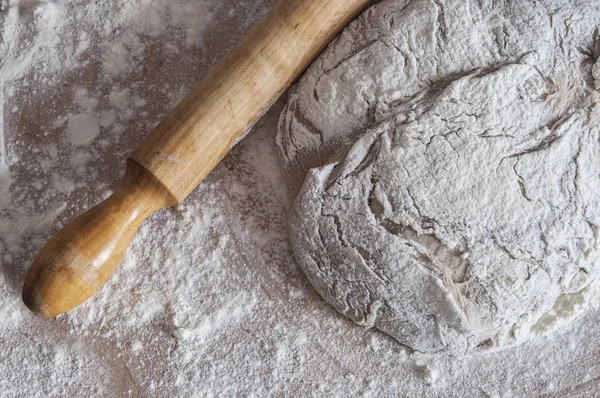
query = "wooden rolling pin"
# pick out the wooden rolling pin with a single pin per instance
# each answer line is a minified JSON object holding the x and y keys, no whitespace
{"x":185,"y":147}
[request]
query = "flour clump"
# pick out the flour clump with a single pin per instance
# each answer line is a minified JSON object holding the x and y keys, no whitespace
{"x":445,"y":165}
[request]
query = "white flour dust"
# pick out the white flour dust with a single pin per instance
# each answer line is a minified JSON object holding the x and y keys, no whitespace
{"x":466,"y":206}
{"x":208,"y":300}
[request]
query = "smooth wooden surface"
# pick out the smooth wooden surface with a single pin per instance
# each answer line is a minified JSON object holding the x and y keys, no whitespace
{"x":80,"y":258}
{"x":185,"y":147}
{"x":201,"y":130}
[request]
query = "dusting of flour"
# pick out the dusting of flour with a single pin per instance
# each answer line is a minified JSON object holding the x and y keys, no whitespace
{"x":463,"y":212}
{"x":208,"y":300}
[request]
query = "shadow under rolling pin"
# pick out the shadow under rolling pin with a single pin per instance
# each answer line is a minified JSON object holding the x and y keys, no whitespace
{"x":185,"y":147}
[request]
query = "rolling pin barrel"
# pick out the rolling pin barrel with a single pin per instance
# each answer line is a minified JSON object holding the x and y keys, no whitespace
{"x":182,"y":150}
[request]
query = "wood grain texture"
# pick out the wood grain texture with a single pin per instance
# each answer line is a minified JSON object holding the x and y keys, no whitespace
{"x":201,"y":130}
{"x":185,"y":147}
{"x":80,"y":258}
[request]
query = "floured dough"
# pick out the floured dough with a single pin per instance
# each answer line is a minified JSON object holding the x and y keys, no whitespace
{"x":445,"y":165}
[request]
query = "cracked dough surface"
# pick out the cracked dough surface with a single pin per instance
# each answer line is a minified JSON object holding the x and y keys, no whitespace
{"x":444,"y":161}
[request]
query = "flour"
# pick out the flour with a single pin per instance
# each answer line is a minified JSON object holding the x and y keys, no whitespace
{"x":430,"y":375}
{"x":208,"y":300}
{"x":70,"y":92}
{"x":462,"y":213}
{"x":82,"y":129}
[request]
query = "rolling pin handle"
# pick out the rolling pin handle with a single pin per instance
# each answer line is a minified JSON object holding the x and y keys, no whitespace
{"x":95,"y":241}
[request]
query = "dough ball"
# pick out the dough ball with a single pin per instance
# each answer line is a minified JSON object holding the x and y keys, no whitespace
{"x":445,"y":165}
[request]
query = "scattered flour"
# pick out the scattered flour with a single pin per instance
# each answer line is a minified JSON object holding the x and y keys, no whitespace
{"x":208,"y":301}
{"x":82,"y":129}
{"x":463,"y":211}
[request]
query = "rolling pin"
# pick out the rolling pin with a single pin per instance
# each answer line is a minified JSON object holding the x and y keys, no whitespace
{"x":184,"y":148}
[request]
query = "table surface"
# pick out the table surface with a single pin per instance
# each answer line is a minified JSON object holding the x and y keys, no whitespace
{"x":208,"y":300}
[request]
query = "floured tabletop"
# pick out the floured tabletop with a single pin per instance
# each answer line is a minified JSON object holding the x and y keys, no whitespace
{"x":208,"y":300}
